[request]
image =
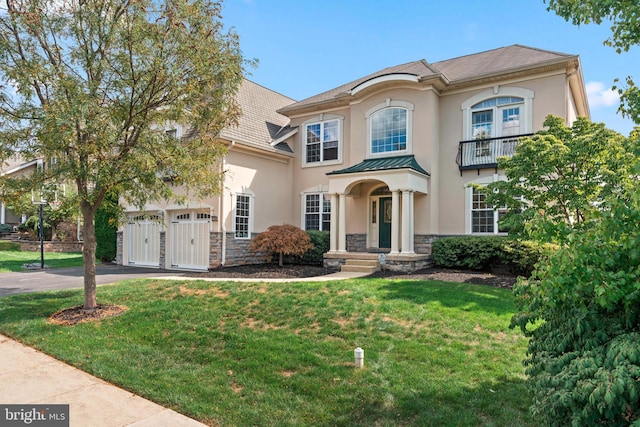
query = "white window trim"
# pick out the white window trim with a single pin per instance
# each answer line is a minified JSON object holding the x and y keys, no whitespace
{"x":321,"y":118}
{"x":468,"y":205}
{"x":526,"y":117}
{"x":251,"y":197}
{"x":389,"y":103}
{"x":321,"y":191}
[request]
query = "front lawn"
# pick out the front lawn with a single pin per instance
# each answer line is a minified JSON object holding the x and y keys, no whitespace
{"x":274,"y":354}
{"x":13,"y":259}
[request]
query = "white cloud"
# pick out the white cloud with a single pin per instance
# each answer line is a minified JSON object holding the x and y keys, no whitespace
{"x":601,"y":96}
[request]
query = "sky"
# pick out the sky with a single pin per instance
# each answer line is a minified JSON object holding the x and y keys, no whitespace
{"x":305,"y":47}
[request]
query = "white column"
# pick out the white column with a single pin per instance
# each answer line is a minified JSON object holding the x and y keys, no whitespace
{"x":407,"y":222}
{"x":333,"y":241}
{"x":395,"y":221}
{"x":342,"y":223}
{"x":3,"y":218}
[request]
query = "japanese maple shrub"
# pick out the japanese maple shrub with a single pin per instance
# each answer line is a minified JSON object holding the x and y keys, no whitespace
{"x":283,"y":240}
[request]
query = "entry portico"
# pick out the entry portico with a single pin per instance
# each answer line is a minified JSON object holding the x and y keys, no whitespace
{"x":403,"y":177}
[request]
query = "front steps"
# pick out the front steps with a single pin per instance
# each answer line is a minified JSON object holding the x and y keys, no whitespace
{"x":368,"y":266}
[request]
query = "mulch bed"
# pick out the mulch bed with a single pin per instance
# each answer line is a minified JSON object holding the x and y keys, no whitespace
{"x":299,"y":271}
{"x":75,"y":315}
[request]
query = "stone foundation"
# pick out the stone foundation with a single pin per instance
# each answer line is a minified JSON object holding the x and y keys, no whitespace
{"x":356,"y":242}
{"x":119,"y":246}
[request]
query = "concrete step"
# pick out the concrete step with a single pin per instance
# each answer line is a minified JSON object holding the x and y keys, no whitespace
{"x":361,"y":266}
{"x":358,"y":269}
{"x":362,"y":262}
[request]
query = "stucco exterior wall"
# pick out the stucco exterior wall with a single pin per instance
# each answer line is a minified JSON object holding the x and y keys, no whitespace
{"x":548,"y":99}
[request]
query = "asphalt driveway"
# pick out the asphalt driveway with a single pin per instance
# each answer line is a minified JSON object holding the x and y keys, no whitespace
{"x":68,"y":278}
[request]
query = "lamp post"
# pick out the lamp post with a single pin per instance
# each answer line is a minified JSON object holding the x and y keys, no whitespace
{"x":40,"y":209}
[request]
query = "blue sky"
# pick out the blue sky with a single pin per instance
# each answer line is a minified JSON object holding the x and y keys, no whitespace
{"x":305,"y":47}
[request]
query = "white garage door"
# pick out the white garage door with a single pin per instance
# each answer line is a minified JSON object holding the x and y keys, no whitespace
{"x":144,"y":240}
{"x":190,"y":240}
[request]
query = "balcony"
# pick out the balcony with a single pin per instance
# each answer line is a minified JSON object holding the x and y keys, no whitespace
{"x":484,"y":153}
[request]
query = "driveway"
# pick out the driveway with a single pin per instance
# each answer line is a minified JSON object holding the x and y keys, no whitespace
{"x":68,"y":278}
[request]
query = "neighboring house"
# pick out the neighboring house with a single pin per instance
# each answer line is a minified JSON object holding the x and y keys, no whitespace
{"x":15,"y":167}
{"x":385,"y":162}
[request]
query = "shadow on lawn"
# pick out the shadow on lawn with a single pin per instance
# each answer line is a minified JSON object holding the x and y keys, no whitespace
{"x":36,"y":305}
{"x":502,"y":403}
{"x":463,"y":296}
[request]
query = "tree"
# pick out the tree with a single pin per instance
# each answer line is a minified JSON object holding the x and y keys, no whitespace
{"x":93,"y":83}
{"x":558,"y":178}
{"x":625,"y":27}
{"x":283,"y":239}
{"x":581,"y":310}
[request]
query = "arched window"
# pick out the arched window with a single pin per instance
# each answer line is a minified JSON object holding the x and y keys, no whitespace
{"x":498,"y":112}
{"x":389,"y":128}
{"x":496,"y":117}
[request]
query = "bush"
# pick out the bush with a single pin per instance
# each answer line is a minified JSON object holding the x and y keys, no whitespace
{"x":581,"y":310}
{"x":321,"y":242}
{"x":283,"y":240}
{"x":106,"y":229}
{"x":488,"y":252}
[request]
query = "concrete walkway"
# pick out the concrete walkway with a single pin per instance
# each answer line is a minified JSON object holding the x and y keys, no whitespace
{"x":340,"y":275}
{"x":28,"y":376}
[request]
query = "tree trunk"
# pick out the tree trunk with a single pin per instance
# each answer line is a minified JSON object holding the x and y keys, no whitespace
{"x":280,"y":263}
{"x":89,"y":255}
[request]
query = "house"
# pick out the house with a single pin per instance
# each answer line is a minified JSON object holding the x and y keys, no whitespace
{"x":15,"y":167}
{"x":386,"y":163}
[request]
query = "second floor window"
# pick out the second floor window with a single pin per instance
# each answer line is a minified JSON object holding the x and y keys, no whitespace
{"x":496,"y":117}
{"x":322,"y":141}
{"x":389,"y":130}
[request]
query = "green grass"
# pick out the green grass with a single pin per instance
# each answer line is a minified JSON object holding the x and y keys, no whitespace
{"x":12,"y":258}
{"x":274,"y":354}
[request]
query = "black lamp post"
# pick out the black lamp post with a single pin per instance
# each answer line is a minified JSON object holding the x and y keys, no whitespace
{"x":40,"y":209}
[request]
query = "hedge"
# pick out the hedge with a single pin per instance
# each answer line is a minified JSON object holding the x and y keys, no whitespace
{"x":487,"y":253}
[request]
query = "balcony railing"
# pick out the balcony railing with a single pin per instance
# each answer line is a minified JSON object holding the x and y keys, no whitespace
{"x":484,"y":153}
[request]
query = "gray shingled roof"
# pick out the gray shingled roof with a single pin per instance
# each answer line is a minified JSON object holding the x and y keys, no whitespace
{"x":475,"y":66}
{"x":259,"y":123}
{"x":386,"y":163}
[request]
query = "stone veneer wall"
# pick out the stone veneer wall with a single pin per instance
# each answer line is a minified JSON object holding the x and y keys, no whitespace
{"x":119,"y":246}
{"x":422,"y":243}
{"x":238,"y":252}
{"x":356,"y":243}
{"x":163,"y":249}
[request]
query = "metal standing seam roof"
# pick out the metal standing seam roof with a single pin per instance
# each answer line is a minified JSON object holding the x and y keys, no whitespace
{"x":382,"y":164}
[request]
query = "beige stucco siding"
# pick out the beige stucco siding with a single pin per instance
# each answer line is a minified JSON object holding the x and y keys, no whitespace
{"x":547,"y":100}
{"x":266,"y":180}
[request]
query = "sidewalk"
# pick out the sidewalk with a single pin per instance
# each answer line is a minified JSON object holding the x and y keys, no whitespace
{"x":340,"y":275}
{"x":28,"y":376}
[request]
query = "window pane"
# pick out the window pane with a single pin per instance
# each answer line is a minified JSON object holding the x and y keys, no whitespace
{"x":482,"y":215}
{"x":242,"y":216}
{"x":511,"y":121}
{"x":313,"y":133}
{"x":331,"y":131}
{"x":482,"y":122}
{"x":389,"y":130}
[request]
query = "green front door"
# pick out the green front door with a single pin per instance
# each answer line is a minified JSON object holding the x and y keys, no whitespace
{"x":384,"y":236}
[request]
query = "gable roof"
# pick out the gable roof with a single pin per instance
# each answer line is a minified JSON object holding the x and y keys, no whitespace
{"x":476,"y":66}
{"x":259,"y":122}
